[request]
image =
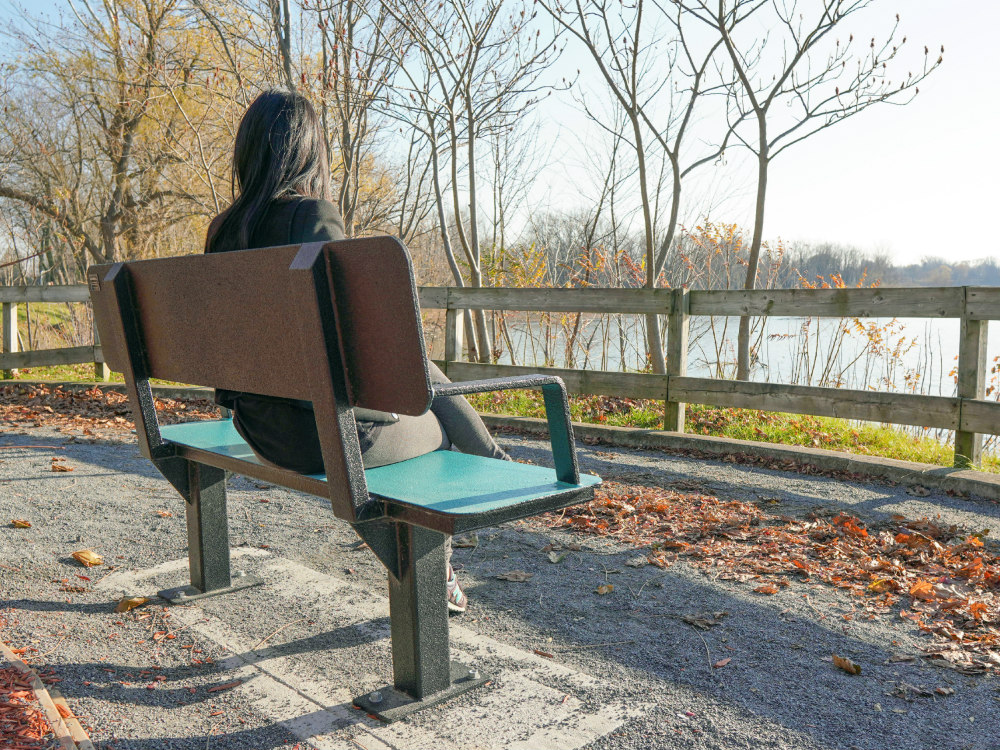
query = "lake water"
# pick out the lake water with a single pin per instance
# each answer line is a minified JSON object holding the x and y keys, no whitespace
{"x":917,"y":355}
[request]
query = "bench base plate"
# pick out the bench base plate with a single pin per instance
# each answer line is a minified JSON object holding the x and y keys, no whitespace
{"x":186,"y":594}
{"x":390,"y":704}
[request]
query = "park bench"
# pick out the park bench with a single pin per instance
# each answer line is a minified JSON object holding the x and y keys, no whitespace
{"x":337,"y":324}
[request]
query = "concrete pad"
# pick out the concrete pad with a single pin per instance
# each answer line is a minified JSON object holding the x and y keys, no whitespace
{"x":533,"y":703}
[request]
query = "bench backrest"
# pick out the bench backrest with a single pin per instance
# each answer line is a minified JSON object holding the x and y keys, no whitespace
{"x":335,"y":323}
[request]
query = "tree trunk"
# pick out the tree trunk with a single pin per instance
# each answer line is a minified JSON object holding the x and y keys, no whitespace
{"x":743,"y":337}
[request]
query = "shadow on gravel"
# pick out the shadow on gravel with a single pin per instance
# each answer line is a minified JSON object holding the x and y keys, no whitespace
{"x":780,"y":668}
{"x":634,"y":640}
{"x":779,"y":647}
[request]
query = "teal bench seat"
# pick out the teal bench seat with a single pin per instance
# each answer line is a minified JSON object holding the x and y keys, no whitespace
{"x":435,"y":490}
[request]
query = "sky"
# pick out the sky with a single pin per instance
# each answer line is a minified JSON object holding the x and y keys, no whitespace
{"x":913,"y":181}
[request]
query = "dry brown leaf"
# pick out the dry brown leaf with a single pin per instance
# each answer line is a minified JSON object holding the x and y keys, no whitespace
{"x":704,"y":620}
{"x":61,"y":467}
{"x":722,"y":662}
{"x":467,"y":541}
{"x":846,"y":664}
{"x":767,"y":588}
{"x":944,"y":691}
{"x":88,"y":558}
{"x":164,"y":513}
{"x":19,"y":523}
{"x":918,"y":490}
{"x":923,"y":590}
{"x":518,"y":576}
{"x":226,"y":686}
{"x":127,"y":603}
{"x":603,"y":589}
{"x":546,"y":654}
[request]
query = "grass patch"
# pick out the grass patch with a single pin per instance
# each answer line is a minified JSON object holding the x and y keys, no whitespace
{"x":843,"y":435}
{"x":80,"y":373}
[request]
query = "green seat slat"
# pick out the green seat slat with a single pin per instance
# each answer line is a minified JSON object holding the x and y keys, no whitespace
{"x":458,"y":483}
{"x":442,"y":481}
{"x":216,"y":436}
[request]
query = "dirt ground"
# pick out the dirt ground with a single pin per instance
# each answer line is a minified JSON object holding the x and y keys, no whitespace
{"x":675,"y":657}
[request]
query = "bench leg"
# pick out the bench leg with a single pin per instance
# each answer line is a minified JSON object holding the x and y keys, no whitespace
{"x":208,"y":538}
{"x":424,"y":674}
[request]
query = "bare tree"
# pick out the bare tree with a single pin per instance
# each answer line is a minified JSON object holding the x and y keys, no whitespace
{"x":84,"y":150}
{"x":281,"y":25}
{"x":657,"y":75}
{"x":795,"y":82}
{"x":473,"y":70}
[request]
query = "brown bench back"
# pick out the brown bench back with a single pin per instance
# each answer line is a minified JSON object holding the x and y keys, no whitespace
{"x":335,"y":323}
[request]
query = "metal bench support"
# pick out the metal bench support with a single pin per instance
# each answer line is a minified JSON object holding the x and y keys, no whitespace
{"x":423,"y":672}
{"x":208,"y":536}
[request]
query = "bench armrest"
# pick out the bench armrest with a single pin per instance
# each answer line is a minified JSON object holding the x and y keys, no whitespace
{"x":556,"y":412}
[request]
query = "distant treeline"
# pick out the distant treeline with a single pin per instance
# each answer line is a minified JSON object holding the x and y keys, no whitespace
{"x":814,"y":260}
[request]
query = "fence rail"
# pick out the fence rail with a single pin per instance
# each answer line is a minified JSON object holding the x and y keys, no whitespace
{"x":967,"y":413}
{"x":12,"y":359}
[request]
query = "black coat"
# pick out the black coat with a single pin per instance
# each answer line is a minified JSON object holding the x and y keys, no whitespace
{"x":282,"y":431}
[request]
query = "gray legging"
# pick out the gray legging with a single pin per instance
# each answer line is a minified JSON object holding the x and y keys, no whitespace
{"x":451,"y":422}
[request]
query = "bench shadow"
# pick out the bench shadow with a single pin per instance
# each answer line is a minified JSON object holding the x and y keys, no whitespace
{"x":638,"y":628}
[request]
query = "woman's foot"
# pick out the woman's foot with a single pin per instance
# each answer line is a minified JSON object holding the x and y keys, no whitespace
{"x":457,"y":600}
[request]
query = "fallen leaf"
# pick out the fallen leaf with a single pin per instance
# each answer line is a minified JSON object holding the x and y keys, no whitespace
{"x":226,"y":686}
{"x":546,"y":654}
{"x":556,"y":557}
{"x":63,"y":710}
{"x":17,"y":523}
{"x":468,"y":541}
{"x":704,"y":620}
{"x":846,"y":664}
{"x":164,"y":513}
{"x":767,"y":588}
{"x":922,"y":590}
{"x":944,"y":691}
{"x":637,"y":562}
{"x":722,"y":662}
{"x":518,"y":576}
{"x":61,"y":467}
{"x":603,"y":589}
{"x":918,"y":490}
{"x":87,"y":557}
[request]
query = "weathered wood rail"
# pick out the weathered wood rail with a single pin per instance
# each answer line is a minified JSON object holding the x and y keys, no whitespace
{"x":12,"y":359}
{"x":968,"y":413}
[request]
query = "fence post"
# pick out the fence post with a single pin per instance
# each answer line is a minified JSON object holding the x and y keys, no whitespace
{"x":454,"y":334}
{"x":677,"y":352}
{"x":971,"y":385}
{"x":9,"y":334}
{"x":101,"y":370}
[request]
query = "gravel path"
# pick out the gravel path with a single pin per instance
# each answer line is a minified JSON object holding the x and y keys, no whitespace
{"x":139,"y":691}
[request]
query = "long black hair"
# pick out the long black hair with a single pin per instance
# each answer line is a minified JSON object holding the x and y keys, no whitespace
{"x":280,"y":152}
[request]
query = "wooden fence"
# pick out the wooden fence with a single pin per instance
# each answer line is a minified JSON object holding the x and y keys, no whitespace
{"x":13,"y":359}
{"x":968,"y":413}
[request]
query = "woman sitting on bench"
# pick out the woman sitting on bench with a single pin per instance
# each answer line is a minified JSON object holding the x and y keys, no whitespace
{"x":281,"y":167}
